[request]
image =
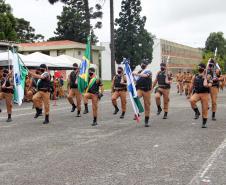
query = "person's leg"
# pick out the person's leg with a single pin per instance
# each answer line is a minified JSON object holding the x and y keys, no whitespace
{"x":70,"y":97}
{"x":193,"y":100}
{"x":114,"y":98}
{"x":158,"y":101}
{"x":123,"y":103}
{"x":147,"y":106}
{"x":37,"y":101}
{"x":46,"y":101}
{"x":87,"y":96}
{"x":166,"y":102}
{"x":204,"y":101}
{"x":214,"y":93}
{"x":9,"y":105}
{"x":78,"y":97}
{"x":95,"y":108}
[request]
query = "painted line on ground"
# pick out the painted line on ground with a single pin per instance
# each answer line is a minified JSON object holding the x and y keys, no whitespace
{"x":200,"y":176}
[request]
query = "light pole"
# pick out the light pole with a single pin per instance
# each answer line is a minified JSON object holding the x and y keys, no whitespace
{"x":112,"y":45}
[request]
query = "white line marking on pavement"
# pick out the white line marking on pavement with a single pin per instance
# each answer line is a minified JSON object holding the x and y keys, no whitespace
{"x":200,"y":176}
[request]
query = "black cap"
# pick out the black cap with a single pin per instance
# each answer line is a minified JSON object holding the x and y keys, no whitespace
{"x":92,"y":69}
{"x":145,"y":62}
{"x":211,"y":61}
{"x":201,"y":65}
{"x":43,"y":66}
{"x":75,"y":65}
{"x":163,"y":64}
{"x":6,"y":71}
{"x":119,"y":67}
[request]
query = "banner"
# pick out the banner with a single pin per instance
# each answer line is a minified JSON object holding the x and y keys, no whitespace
{"x":19,"y":76}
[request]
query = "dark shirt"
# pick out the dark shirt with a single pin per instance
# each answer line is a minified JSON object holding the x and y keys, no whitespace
{"x":95,"y":87}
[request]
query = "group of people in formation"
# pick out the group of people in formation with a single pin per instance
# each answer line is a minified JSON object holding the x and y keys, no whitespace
{"x":198,"y":87}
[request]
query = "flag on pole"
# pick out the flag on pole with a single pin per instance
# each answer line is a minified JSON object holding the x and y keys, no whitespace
{"x":136,"y":104}
{"x":19,"y":76}
{"x":84,"y":67}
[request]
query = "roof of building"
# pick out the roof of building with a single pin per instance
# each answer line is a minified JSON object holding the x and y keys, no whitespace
{"x":53,"y":45}
{"x":48,"y":43}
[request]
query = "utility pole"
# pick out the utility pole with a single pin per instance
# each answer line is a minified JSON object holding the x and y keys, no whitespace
{"x":112,"y":45}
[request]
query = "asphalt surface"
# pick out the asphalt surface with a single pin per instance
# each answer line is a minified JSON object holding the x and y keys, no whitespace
{"x":68,"y":151}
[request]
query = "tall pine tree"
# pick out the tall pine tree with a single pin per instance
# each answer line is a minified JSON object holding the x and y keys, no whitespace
{"x":74,"y":21}
{"x":132,"y":40}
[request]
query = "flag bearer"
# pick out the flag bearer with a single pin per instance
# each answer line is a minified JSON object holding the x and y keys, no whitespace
{"x":43,"y":94}
{"x":94,"y":92}
{"x":119,"y":90}
{"x":214,"y":90}
{"x":200,"y":86}
{"x":164,"y":79}
{"x":143,"y":86}
{"x":73,"y":90}
{"x":7,"y":92}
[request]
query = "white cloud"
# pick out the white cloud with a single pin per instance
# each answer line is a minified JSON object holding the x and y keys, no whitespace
{"x":183,"y":21}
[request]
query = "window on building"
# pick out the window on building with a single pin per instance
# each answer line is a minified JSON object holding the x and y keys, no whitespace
{"x":79,"y":53}
{"x":61,"y":52}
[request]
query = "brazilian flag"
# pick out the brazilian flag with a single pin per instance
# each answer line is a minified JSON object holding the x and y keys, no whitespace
{"x":84,"y":68}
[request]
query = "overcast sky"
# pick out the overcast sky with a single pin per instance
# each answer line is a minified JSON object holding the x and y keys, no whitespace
{"x":184,"y":21}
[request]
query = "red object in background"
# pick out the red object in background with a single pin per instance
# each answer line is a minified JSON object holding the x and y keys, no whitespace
{"x":57,"y":74}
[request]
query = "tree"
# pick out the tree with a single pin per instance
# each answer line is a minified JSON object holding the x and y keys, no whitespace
{"x":7,"y":22}
{"x":132,"y":40}
{"x":14,"y":29}
{"x":216,"y":40}
{"x":74,"y":22}
{"x":25,"y":33}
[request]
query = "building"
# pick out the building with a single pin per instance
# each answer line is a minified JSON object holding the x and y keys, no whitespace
{"x":106,"y":61}
{"x":181,"y":57}
{"x":63,"y":47}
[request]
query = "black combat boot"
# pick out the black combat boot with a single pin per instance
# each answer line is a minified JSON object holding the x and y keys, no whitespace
{"x":146,"y":121}
{"x":46,"y":121}
{"x":86,"y":111}
{"x":165,"y":115}
{"x":9,"y":118}
{"x":214,"y":116}
{"x":116,"y":110}
{"x":159,"y":110}
{"x":38,"y":113}
{"x":94,"y":121}
{"x":78,"y":113}
{"x":197,"y":113}
{"x":73,"y":107}
{"x":204,"y":123}
{"x":122,"y":115}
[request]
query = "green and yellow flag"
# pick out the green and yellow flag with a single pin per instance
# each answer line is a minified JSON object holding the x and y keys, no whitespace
{"x":84,"y":68}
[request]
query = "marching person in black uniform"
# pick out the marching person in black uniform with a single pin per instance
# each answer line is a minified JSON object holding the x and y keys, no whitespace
{"x":164,"y":80}
{"x":119,"y":90}
{"x":214,"y":90}
{"x":94,"y":92}
{"x":7,"y":92}
{"x":73,"y":90}
{"x":43,"y":94}
{"x":200,"y":86}
{"x":143,"y":86}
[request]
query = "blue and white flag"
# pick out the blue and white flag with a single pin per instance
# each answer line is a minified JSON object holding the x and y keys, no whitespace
{"x":136,"y":104}
{"x":19,"y":76}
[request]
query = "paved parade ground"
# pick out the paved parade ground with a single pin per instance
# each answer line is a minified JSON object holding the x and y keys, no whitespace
{"x":68,"y":151}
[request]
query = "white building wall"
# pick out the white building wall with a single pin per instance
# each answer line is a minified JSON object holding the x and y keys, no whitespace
{"x":106,"y":61}
{"x":155,"y":64}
